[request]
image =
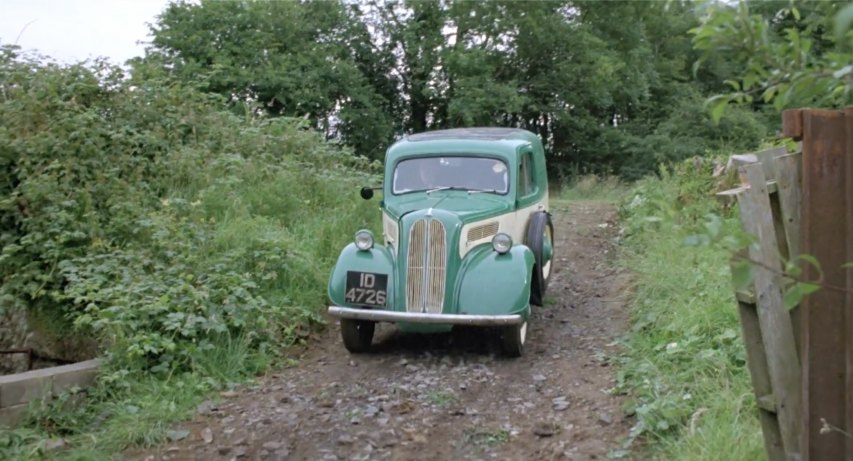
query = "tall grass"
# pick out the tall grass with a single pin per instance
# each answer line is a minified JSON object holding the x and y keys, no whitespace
{"x":594,"y":187}
{"x":684,"y":360}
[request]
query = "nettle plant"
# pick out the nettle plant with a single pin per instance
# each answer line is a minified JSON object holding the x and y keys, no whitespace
{"x":163,"y":302}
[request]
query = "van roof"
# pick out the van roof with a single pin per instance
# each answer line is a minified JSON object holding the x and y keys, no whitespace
{"x":478,"y":133}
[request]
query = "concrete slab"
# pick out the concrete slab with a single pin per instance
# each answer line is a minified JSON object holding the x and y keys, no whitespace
{"x":10,"y":417}
{"x":21,"y":388}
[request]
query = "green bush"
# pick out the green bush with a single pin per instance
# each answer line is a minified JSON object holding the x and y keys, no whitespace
{"x":687,"y":131}
{"x":146,"y":215}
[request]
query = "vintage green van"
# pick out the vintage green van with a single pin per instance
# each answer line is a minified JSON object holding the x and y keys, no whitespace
{"x":467,"y":239}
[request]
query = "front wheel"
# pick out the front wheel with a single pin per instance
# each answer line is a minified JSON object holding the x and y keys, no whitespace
{"x":540,"y":239}
{"x":513,"y":338}
{"x":357,"y":334}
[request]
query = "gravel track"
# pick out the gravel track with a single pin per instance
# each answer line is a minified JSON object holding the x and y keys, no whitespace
{"x":446,"y":396}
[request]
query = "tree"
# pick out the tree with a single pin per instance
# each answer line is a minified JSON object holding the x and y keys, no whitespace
{"x":567,"y":70}
{"x":286,"y":58}
{"x":796,"y":54}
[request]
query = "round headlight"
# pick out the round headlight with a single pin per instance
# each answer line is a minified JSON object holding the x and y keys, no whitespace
{"x":501,"y":242}
{"x":364,"y":240}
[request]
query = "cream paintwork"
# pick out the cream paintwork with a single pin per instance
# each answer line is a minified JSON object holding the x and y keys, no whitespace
{"x":514,"y":224}
{"x":390,"y":233}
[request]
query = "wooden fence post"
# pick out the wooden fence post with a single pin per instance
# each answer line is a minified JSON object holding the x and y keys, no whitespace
{"x":826,"y":233}
{"x":848,"y":115}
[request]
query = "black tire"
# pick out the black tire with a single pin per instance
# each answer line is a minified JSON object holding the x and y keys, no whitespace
{"x":540,"y":232}
{"x":357,"y":334}
{"x":513,"y":338}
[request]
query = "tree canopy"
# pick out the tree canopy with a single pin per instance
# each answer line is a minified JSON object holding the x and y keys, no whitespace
{"x":603,"y":83}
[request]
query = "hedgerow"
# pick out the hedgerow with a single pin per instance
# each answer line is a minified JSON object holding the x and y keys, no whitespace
{"x":141,"y":212}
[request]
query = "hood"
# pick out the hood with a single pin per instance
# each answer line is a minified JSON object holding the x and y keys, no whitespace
{"x":468,"y":207}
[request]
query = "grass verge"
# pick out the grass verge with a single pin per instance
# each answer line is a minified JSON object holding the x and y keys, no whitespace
{"x":593,"y":187}
{"x":684,"y":363}
{"x":129,"y":409}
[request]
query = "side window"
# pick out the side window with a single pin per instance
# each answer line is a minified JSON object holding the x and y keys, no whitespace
{"x":526,"y":185}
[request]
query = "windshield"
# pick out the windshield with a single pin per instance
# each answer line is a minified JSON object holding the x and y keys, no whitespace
{"x":474,"y":174}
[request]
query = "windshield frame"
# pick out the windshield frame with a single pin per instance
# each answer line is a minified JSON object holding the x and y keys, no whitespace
{"x":503,"y":160}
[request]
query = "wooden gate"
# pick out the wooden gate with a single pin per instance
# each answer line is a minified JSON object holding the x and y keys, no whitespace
{"x":801,"y":361}
{"x":769,"y":206}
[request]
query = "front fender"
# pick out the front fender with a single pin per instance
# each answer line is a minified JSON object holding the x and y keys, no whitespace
{"x":378,"y":260}
{"x":495,"y":284}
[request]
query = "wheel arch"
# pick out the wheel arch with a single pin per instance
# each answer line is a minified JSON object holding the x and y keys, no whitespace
{"x":492,"y":283}
{"x":378,"y":259}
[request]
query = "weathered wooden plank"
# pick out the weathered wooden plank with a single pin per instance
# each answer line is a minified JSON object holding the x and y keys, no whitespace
{"x":823,"y":231}
{"x":756,"y":361}
{"x":739,"y":160}
{"x":767,"y":403}
{"x":733,"y":192}
{"x":767,"y":158}
{"x":792,"y":123}
{"x":745,"y":296}
{"x":771,"y":188}
{"x":775,"y":322}
{"x":771,"y":153}
{"x":848,"y":308}
{"x":788,"y":173}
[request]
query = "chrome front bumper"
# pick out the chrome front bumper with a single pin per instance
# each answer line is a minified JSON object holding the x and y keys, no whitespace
{"x":414,"y":317}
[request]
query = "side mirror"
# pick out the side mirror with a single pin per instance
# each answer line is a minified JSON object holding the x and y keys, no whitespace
{"x":366,"y":193}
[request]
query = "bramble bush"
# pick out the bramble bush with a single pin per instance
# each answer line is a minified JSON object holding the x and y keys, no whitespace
{"x":141,"y":212}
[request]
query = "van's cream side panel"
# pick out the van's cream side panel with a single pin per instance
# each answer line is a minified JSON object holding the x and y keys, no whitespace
{"x":390,"y":231}
{"x":522,"y":217}
{"x":514,"y":224}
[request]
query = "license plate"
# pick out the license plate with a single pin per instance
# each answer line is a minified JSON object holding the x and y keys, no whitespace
{"x":366,"y":288}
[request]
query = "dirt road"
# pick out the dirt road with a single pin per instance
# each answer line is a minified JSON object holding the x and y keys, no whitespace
{"x":449,"y":396}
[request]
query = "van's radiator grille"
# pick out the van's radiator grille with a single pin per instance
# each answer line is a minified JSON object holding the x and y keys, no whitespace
{"x":427,"y":263}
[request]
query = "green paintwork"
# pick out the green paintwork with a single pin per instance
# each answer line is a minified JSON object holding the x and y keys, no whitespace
{"x":509,"y":148}
{"x":377,"y":260}
{"x":468,"y":208}
{"x":483,"y":282}
{"x":487,"y":275}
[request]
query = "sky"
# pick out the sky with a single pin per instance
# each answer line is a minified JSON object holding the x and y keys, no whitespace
{"x":74,"y":30}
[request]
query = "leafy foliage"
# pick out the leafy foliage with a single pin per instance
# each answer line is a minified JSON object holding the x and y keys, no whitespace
{"x":789,"y":54}
{"x":147,"y":216}
{"x":296,"y":59}
{"x":604,"y":98}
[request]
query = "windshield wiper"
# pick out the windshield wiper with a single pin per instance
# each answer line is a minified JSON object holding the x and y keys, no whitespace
{"x":444,"y":188}
{"x":474,"y":191}
{"x":470,"y":190}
